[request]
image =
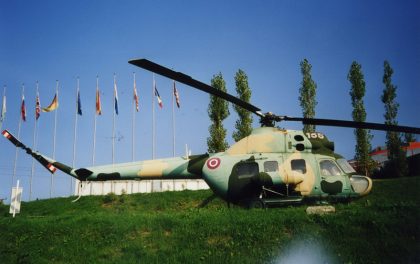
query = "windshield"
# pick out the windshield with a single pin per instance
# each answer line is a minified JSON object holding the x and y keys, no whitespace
{"x":347,"y":168}
{"x":329,"y":168}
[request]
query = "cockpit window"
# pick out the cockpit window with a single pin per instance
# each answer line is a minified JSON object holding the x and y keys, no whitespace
{"x":247,"y":169}
{"x":329,"y":168}
{"x":347,"y":168}
{"x":299,"y":165}
{"x":271,"y":166}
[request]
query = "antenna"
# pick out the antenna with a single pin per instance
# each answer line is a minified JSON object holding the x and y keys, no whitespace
{"x":186,"y":152}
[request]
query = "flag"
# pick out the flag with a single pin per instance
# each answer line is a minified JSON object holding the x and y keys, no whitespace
{"x":158,"y":98}
{"x":79,"y":103}
{"x":3,"y":109}
{"x":98,"y":102}
{"x":52,"y":106}
{"x":116,"y":98}
{"x":23,"y":109}
{"x":176,"y":96}
{"x":136,"y":98}
{"x":37,"y":107}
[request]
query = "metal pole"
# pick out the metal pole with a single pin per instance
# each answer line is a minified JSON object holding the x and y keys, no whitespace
{"x":173,"y":121}
{"x":113,"y":125}
{"x":3,"y":106}
{"x":75,"y":131}
{"x":134,"y":118}
{"x":153,"y":117}
{"x":173,"y":129}
{"x":34,"y":143}
{"x":94,"y":123}
{"x":18,"y":136}
{"x":153,"y":125}
{"x":54,"y":141}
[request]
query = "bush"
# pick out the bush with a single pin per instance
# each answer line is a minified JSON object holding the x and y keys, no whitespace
{"x":390,"y":169}
{"x":122,"y":196}
{"x":109,"y":198}
{"x":414,"y":165}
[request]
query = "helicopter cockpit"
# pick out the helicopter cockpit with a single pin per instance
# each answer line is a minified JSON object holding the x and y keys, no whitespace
{"x":329,"y":168}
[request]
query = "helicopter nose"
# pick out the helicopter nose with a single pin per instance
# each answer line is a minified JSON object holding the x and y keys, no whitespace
{"x":361,"y":184}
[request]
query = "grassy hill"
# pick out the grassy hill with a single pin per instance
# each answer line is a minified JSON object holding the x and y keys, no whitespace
{"x":171,"y":228}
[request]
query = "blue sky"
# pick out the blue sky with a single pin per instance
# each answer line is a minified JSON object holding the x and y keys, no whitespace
{"x":47,"y":41}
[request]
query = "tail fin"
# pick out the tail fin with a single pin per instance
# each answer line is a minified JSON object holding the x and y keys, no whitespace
{"x":50,"y":164}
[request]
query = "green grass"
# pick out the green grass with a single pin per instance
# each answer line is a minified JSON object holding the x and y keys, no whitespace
{"x":171,"y":228}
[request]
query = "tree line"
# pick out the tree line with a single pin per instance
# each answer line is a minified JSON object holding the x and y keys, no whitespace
{"x":397,"y":164}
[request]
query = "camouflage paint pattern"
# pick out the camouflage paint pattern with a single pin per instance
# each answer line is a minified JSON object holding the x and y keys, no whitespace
{"x":283,"y":161}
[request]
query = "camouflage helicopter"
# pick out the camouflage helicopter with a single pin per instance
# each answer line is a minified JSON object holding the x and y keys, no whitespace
{"x":270,"y":166}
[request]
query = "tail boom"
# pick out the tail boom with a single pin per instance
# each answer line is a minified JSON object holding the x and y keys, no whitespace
{"x":50,"y":164}
{"x":162,"y":169}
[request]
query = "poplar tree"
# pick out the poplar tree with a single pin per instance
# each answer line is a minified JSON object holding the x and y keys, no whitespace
{"x":393,"y":139}
{"x":244,"y":123}
{"x":218,"y":111}
{"x":363,"y":137}
{"x":307,"y":95}
{"x":408,"y":137}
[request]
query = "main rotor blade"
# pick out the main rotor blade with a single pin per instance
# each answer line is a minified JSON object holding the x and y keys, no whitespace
{"x":354,"y":124}
{"x":41,"y":159}
{"x":185,"y":79}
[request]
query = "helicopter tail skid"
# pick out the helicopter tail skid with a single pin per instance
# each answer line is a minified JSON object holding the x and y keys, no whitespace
{"x":50,"y":164}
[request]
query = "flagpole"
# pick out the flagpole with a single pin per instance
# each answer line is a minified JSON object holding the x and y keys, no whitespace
{"x":113,"y":127}
{"x":96,"y":112}
{"x":18,"y":137}
{"x":3,"y":107}
{"x":54,"y":139}
{"x":173,"y":128}
{"x":94,"y":123}
{"x":153,"y":117}
{"x":113,"y":130}
{"x":34,"y":143}
{"x":134,"y":118}
{"x":173,"y":121}
{"x":75,"y":131}
{"x":153,"y":125}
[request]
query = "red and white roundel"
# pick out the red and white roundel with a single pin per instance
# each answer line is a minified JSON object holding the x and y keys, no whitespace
{"x":213,"y":163}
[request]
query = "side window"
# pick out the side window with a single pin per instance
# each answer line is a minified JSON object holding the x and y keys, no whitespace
{"x":299,"y":165}
{"x":247,"y":169}
{"x":271,"y":166}
{"x":329,"y":168}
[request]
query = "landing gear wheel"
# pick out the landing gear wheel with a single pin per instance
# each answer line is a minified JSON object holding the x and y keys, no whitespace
{"x":256,"y":204}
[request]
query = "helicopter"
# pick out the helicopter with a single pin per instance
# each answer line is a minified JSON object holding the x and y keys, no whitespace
{"x":270,"y":166}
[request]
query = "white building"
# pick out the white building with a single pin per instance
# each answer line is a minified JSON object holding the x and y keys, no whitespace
{"x":143,"y":186}
{"x":380,"y":154}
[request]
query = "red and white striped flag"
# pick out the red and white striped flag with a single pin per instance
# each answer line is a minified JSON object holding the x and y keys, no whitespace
{"x":135,"y":97}
{"x":98,"y":102}
{"x":176,"y":96}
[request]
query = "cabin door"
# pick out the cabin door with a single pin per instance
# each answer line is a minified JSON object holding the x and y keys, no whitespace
{"x":332,"y":178}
